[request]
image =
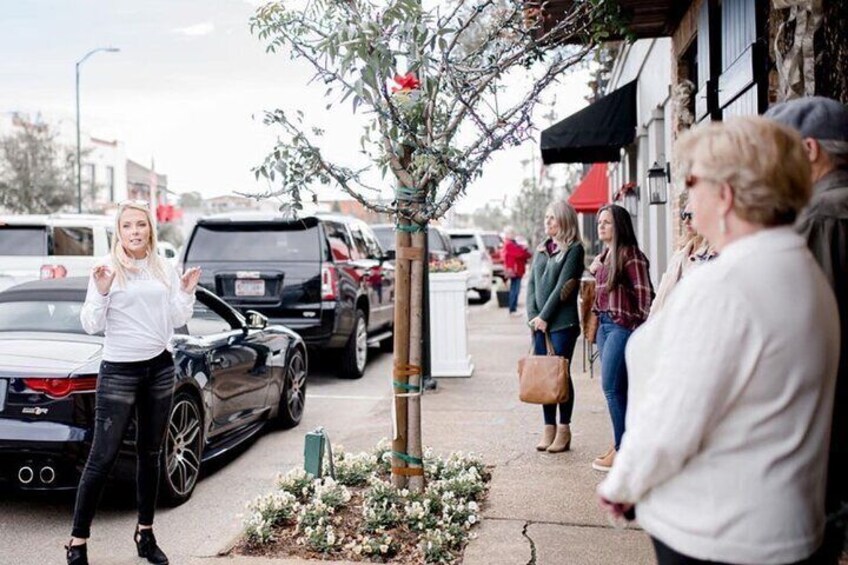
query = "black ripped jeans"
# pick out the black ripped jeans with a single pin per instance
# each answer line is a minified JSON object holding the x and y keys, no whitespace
{"x":147,"y":386}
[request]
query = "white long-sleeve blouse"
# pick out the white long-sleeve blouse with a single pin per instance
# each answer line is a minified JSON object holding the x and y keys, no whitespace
{"x":729,"y":409}
{"x":139,"y":318}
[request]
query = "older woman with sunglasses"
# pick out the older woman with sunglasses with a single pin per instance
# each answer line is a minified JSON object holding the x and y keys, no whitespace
{"x":725,"y":453}
{"x":694,"y":251}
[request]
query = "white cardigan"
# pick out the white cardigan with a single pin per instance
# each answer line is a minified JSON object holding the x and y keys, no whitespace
{"x":731,"y":393}
{"x":139,"y":318}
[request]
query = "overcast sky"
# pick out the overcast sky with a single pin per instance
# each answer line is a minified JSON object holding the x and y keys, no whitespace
{"x":188,"y":88}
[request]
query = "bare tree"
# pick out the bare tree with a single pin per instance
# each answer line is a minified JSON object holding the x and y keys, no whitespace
{"x":36,"y":173}
{"x":431,"y":80}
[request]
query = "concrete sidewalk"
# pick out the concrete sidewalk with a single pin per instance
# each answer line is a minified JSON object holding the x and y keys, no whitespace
{"x":541,"y":507}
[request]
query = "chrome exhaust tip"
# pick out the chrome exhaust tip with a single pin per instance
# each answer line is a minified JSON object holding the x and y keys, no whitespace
{"x":47,"y":474}
{"x":25,"y":475}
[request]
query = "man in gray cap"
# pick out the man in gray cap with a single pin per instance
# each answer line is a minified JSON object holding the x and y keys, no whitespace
{"x":823,"y":123}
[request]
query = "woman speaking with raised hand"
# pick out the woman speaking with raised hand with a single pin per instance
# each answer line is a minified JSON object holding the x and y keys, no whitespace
{"x":136,"y":299}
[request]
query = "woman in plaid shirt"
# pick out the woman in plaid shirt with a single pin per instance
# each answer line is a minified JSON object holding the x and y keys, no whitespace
{"x":623,"y":298}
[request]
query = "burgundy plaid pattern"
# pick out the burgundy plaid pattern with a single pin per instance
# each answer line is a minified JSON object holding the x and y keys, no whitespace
{"x":630,"y":303}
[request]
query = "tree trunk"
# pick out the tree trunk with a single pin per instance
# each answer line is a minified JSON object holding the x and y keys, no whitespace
{"x":416,"y":357}
{"x":401,"y":354}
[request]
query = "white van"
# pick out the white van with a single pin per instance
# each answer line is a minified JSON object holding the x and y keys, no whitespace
{"x":468,"y":244}
{"x":51,"y":246}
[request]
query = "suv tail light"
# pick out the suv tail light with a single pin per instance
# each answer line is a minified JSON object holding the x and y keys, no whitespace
{"x":60,"y":388}
{"x":329,"y":282}
{"x":53,"y":272}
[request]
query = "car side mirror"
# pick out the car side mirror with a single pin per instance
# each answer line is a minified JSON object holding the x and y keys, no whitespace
{"x":463,"y":249}
{"x":256,"y":320}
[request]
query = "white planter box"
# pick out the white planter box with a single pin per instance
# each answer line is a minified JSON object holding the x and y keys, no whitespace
{"x":449,"y":325}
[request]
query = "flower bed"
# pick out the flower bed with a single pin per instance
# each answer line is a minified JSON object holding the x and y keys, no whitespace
{"x":360,"y":516}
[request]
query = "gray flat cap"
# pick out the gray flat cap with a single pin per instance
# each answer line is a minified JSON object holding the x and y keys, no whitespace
{"x":813,"y":116}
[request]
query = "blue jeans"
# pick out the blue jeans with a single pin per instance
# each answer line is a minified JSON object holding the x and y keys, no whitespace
{"x":612,"y":339}
{"x":143,"y":387}
{"x":563,"y":342}
{"x":514,"y":290}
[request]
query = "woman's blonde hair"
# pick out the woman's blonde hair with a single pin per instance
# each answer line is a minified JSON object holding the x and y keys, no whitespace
{"x":121,"y":260}
{"x":566,"y":219}
{"x":763,"y":162}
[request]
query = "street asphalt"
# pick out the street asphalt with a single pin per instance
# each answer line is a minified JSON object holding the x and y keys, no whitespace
{"x":541,"y":507}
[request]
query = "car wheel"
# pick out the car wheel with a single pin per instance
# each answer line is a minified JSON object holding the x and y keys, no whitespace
{"x":485,"y":296}
{"x":182,"y":450}
{"x":355,"y":353}
{"x":293,"y":397}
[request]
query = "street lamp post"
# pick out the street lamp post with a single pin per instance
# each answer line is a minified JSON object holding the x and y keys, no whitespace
{"x":79,"y":148}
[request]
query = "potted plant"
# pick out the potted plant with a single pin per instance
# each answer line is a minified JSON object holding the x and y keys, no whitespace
{"x":502,"y":292}
{"x":449,"y":319}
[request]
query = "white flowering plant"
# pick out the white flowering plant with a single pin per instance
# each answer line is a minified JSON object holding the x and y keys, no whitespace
{"x":360,"y":515}
{"x":354,"y":469}
{"x":380,"y":545}
{"x":381,"y":507}
{"x":297,"y":482}
{"x":267,"y":511}
{"x":331,"y":493}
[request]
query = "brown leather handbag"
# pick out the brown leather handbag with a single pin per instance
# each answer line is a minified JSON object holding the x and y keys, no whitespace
{"x":543,"y":379}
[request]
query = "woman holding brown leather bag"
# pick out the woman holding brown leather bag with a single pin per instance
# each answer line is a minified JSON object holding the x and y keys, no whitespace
{"x":552,"y":309}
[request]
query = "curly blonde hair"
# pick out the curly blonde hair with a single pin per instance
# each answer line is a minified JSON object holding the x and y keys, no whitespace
{"x":763,"y":162}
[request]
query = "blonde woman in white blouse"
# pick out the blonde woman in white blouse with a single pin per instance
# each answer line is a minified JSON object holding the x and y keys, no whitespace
{"x":137,"y":300}
{"x":732,"y":382}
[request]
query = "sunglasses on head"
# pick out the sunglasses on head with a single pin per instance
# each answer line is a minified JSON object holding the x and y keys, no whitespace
{"x":131,"y":202}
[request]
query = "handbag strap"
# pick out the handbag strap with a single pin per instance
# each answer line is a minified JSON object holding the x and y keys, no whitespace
{"x":548,"y":344}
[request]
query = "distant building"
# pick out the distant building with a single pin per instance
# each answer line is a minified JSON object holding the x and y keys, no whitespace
{"x":104,"y":173}
{"x":353,"y":208}
{"x":230,"y":203}
{"x":141,"y":179}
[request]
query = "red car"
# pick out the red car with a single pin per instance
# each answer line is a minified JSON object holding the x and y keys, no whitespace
{"x":494,"y":246}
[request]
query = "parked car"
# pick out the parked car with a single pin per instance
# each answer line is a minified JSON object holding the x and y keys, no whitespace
{"x":469,"y":246}
{"x":167,"y":251}
{"x":494,"y":247}
{"x":233,"y":374}
{"x":34,"y":247}
{"x":325,"y":276}
{"x":438,"y":241}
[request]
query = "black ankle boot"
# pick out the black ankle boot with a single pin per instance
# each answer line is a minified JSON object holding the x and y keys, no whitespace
{"x":145,"y":542}
{"x":77,"y":554}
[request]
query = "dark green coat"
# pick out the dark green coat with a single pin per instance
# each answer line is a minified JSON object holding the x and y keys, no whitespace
{"x":554,"y":285}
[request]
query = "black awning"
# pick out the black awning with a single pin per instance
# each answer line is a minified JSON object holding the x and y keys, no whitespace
{"x":596,"y":133}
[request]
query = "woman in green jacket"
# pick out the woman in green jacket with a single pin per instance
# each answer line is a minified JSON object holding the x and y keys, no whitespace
{"x":552,"y":308}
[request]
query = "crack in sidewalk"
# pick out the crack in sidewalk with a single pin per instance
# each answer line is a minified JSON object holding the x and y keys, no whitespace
{"x":532,"y":543}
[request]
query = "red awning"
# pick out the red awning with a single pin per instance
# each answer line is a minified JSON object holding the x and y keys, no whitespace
{"x":593,"y":191}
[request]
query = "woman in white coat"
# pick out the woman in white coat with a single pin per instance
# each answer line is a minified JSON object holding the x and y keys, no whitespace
{"x":732,"y":381}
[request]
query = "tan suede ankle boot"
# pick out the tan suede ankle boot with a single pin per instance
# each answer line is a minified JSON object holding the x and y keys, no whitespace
{"x":562,"y":442}
{"x":547,"y":438}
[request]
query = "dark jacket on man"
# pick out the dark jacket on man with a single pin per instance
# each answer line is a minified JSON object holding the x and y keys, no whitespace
{"x":824,"y":224}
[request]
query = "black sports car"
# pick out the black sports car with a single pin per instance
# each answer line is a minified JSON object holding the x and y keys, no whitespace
{"x":233,"y":375}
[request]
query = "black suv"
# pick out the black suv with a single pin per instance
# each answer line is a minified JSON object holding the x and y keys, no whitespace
{"x":438,"y":241}
{"x":325,"y":276}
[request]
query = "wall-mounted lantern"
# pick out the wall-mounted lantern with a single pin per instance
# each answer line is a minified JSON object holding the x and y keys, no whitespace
{"x":659,"y":178}
{"x":628,"y":195}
